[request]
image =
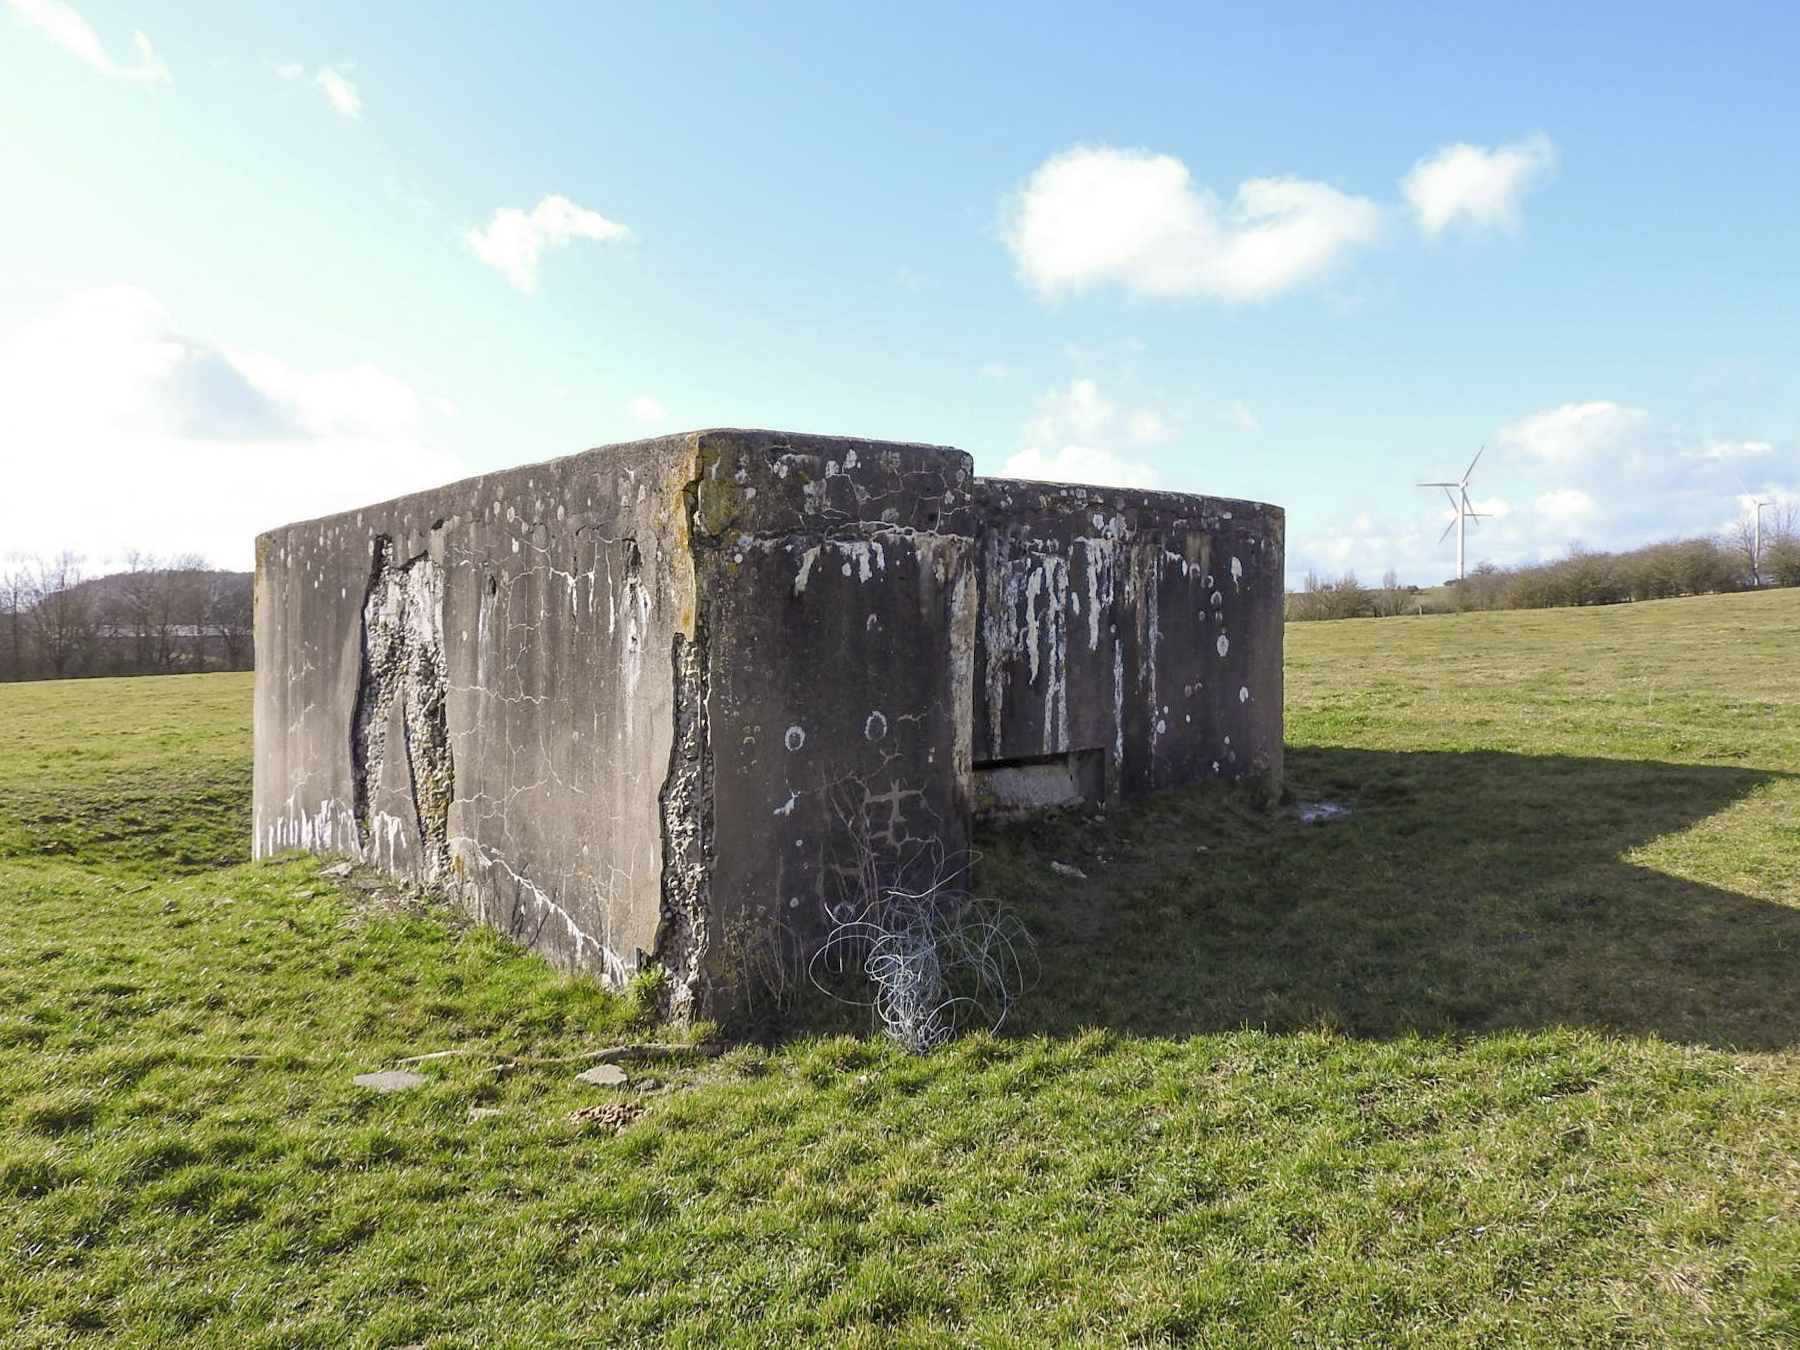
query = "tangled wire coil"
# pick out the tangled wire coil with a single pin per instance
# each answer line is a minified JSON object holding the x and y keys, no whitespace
{"x":938,"y":961}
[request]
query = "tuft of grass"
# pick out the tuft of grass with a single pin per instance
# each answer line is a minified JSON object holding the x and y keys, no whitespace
{"x":1504,"y":1056}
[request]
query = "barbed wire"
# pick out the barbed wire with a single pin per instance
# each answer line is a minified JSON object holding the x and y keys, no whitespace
{"x":938,"y":961}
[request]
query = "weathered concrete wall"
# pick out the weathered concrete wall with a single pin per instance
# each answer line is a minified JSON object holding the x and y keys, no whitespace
{"x":470,"y":686}
{"x":661,"y":701}
{"x":1143,"y":628}
{"x":833,"y":619}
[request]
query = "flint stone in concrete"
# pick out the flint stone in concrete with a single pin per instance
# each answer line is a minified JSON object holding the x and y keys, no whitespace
{"x":389,"y":1080}
{"x":675,"y":701}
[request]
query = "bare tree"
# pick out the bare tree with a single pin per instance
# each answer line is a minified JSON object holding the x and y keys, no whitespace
{"x":1391,"y":598}
{"x":176,"y":582}
{"x":131,"y":610}
{"x":1344,"y":598}
{"x":62,"y":613}
{"x":15,"y":614}
{"x":1781,"y":546}
{"x":232,"y":616}
{"x":201,"y":594}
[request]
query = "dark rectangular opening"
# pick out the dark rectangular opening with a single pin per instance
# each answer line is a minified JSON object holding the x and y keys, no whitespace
{"x":1009,"y":788}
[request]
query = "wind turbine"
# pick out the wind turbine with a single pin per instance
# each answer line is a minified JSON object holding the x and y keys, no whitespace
{"x":1459,"y":499}
{"x":1756,"y":536}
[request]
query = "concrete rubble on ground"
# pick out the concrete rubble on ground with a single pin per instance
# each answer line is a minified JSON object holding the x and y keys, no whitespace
{"x":603,"y":1075}
{"x":687,"y":702}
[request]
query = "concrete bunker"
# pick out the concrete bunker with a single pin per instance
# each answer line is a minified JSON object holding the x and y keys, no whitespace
{"x":633,"y":705}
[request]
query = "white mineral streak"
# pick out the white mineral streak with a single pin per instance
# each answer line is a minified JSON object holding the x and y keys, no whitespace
{"x":868,"y":557}
{"x":963,"y":607}
{"x":634,"y":601}
{"x":1055,"y":571}
{"x":483,"y":605}
{"x":1025,"y":614}
{"x":317,"y":831}
{"x":1153,"y":632}
{"x":1118,"y":704}
{"x":1100,"y":562}
{"x":390,"y":828}
{"x":998,"y":633}
{"x":1237,"y":573}
{"x":862,"y":559}
{"x":807,"y":559}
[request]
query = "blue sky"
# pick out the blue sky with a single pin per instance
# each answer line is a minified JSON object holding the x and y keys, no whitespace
{"x":261,"y":265}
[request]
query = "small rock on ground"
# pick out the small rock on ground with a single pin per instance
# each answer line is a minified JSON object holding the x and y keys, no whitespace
{"x":1063,"y":869}
{"x":389,"y":1080}
{"x":486,"y":1112}
{"x":342,"y":869}
{"x":602,"y":1075}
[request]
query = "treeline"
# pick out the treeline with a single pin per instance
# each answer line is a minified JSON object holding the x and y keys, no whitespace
{"x":1700,"y":566}
{"x":157,"y":617}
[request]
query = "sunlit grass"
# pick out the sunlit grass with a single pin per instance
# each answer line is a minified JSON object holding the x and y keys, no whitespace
{"x":1505,"y":1056}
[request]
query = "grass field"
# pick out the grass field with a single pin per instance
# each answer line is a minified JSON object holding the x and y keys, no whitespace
{"x":1509,"y":1054}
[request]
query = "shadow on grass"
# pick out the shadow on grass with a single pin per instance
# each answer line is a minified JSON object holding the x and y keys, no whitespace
{"x":1464,"y":892}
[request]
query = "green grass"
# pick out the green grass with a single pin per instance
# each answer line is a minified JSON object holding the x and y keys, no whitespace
{"x":1507,"y":1055}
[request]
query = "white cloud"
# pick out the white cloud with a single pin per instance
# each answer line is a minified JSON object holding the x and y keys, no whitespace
{"x":331,"y":81}
{"x":1576,"y":434}
{"x":337,"y":88}
{"x":143,"y":436}
{"x":513,"y":240}
{"x":1494,"y":508}
{"x":1147,"y":427}
{"x":1240,"y":416}
{"x":63,"y":25}
{"x":1732,"y":452}
{"x":1081,"y":411}
{"x":1475,"y":186}
{"x":1095,"y":215}
{"x":1088,"y":432}
{"x":646,"y":411}
{"x":361,"y":400}
{"x":1565,"y":509}
{"x":1090,"y":464}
